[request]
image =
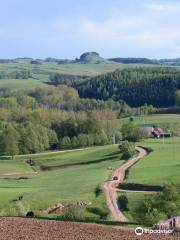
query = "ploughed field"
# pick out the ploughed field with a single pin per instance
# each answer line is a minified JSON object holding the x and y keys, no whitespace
{"x":12,"y":228}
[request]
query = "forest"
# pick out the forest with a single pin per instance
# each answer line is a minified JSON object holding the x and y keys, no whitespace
{"x":57,"y":118}
{"x":137,"y":86}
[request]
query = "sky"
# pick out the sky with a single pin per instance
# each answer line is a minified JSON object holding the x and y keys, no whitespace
{"x":113,"y":28}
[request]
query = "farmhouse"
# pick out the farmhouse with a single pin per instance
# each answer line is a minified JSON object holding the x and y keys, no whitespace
{"x":159,"y":133}
{"x":155,"y":131}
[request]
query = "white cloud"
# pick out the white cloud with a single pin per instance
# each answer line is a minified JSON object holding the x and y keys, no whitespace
{"x":163,"y":7}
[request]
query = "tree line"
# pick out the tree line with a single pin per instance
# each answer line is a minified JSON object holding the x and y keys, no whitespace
{"x":136,"y":86}
{"x":67,"y":99}
{"x":15,"y":75}
{"x":57,"y":118}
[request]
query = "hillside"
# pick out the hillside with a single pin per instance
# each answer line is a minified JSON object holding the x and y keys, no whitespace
{"x":92,"y":57}
{"x":136,"y":86}
{"x":27,"y":73}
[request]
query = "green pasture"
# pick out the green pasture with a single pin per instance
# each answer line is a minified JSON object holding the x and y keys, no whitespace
{"x":160,"y":166}
{"x":44,"y":189}
{"x":155,"y":119}
{"x":21,"y":84}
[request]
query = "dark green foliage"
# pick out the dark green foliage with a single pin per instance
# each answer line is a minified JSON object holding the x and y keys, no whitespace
{"x":99,"y":211}
{"x":66,"y":79}
{"x":134,"y":60}
{"x":136,"y":86}
{"x":91,"y":58}
{"x":127,"y":149}
{"x":159,"y":206}
{"x":98,"y":191}
{"x":123,"y":202}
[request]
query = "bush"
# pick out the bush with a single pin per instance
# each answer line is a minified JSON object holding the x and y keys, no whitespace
{"x":73,"y":213}
{"x":127,"y":149}
{"x":98,"y":191}
{"x":160,"y":206}
{"x":100,"y":212}
{"x":131,"y":132}
{"x":123,"y":202}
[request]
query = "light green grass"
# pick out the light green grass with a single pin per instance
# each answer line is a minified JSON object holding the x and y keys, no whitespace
{"x":155,"y":119}
{"x":21,"y":84}
{"x":41,"y":73}
{"x":60,"y":158}
{"x":133,"y":202}
{"x":14,"y":166}
{"x":66,"y":185}
{"x":160,"y":166}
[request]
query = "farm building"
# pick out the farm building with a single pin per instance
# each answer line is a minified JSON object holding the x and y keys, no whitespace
{"x":159,"y":133}
{"x":154,"y":131}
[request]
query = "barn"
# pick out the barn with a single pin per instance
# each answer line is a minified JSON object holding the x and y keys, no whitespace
{"x":157,"y":132}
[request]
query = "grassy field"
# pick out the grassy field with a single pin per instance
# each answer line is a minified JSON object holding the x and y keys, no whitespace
{"x":21,"y":84}
{"x":44,"y":189}
{"x":161,"y":166}
{"x":77,"y":183}
{"x":166,"y":121}
{"x":158,"y":168}
{"x":42,"y":72}
{"x":133,"y":203}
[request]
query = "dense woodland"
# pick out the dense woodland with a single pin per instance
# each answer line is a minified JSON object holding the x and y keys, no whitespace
{"x":56,"y":118}
{"x":136,"y":86}
{"x":62,"y":117}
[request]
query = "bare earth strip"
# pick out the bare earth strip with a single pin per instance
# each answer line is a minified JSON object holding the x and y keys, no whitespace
{"x":111,"y":186}
{"x":27,"y":229}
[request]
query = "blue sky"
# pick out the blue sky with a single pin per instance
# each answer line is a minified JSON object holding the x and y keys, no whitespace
{"x":114,"y":28}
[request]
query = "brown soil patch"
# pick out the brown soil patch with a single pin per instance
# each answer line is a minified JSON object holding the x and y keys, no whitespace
{"x":31,"y":229}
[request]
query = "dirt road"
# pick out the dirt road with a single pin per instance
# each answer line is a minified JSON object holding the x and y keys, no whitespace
{"x":111,"y":186}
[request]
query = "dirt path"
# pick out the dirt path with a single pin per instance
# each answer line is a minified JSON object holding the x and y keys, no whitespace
{"x":111,"y":186}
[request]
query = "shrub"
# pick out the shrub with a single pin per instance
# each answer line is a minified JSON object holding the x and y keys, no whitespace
{"x":127,"y":149}
{"x":123,"y":202}
{"x":160,"y":206}
{"x":98,"y":191}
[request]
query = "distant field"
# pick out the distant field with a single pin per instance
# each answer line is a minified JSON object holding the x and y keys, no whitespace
{"x":74,"y":69}
{"x":155,"y":119}
{"x":20,"y":84}
{"x":41,"y":72}
{"x":44,"y":189}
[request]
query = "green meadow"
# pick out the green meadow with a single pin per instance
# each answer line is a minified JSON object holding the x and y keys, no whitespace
{"x":160,"y":166}
{"x":43,"y":189}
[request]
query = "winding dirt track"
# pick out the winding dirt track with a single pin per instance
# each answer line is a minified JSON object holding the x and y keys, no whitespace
{"x":111,"y":186}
